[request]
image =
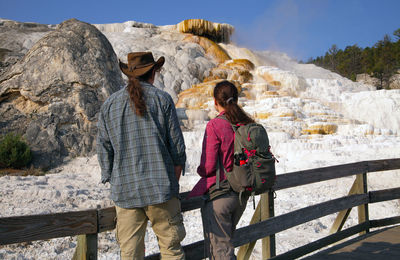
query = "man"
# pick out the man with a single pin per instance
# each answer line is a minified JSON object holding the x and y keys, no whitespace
{"x":141,"y":152}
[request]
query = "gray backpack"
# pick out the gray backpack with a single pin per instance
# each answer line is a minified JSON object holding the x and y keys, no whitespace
{"x":254,"y":165}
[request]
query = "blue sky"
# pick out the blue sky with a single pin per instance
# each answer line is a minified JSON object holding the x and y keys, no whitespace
{"x":301,"y":28}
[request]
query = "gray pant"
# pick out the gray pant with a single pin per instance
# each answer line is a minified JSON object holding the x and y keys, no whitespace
{"x":220,"y":217}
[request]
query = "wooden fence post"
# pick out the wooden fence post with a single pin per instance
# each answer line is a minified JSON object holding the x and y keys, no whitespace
{"x":245,"y":250}
{"x":264,"y":210}
{"x":363,"y":215}
{"x":267,"y":211}
{"x":91,"y":253}
{"x":86,"y":248}
{"x":342,"y":216}
{"x":359,"y":187}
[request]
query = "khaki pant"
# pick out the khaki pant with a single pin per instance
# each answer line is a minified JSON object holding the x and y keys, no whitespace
{"x":220,"y":217}
{"x":167,"y":224}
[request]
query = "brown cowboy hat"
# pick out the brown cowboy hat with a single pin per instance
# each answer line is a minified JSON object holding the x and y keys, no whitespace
{"x":139,"y":63}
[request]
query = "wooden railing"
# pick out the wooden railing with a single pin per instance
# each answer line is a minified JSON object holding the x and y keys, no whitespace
{"x":264,"y":225}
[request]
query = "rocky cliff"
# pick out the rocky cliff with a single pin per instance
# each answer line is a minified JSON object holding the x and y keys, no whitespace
{"x":53,"y":94}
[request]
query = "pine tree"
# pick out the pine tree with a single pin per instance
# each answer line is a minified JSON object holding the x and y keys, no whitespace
{"x":381,"y":61}
{"x":385,"y":63}
{"x":333,"y":52}
{"x":397,"y":34}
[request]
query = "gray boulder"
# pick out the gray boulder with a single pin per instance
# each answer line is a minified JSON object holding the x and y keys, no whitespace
{"x":16,"y":39}
{"x":52,"y":95}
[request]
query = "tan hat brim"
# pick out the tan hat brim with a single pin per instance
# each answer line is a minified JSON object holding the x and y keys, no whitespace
{"x":142,"y":70}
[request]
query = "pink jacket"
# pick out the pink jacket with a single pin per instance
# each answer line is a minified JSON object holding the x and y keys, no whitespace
{"x":218,"y":141}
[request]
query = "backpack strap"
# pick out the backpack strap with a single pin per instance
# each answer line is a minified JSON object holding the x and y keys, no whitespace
{"x":218,"y":174}
{"x":234,"y":127}
{"x":219,"y":163}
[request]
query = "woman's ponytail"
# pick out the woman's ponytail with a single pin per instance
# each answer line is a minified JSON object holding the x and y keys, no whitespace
{"x":226,"y":95}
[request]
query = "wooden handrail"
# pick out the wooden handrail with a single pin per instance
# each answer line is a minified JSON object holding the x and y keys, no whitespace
{"x":279,"y":223}
{"x":40,"y":227}
{"x":384,"y":195}
{"x":282,"y":222}
{"x":294,"y":179}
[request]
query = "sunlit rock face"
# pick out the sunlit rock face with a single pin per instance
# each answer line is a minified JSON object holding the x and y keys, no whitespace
{"x":367,"y":79}
{"x":237,"y":70}
{"x":215,"y":31}
{"x":288,"y":82}
{"x":52,"y":96}
{"x":395,"y":81}
{"x":212,"y":49}
{"x":197,"y":96}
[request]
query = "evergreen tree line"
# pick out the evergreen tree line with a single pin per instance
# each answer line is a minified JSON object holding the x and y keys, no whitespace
{"x":381,"y":61}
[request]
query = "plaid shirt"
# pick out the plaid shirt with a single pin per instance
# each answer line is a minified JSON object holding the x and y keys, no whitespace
{"x":137,"y":154}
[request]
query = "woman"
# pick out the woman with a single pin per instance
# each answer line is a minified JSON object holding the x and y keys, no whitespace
{"x":222,"y":209}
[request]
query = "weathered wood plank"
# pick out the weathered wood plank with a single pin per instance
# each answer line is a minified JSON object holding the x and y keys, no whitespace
{"x":244,"y":252}
{"x":384,"y":222}
{"x":298,"y":178}
{"x":195,"y":251}
{"x":363,"y":215}
{"x":106,"y":219}
{"x":81,"y":248}
{"x":344,"y":214}
{"x":91,"y":241}
{"x":321,"y":243}
{"x":384,"y":195}
{"x":86,"y":248}
{"x":41,"y":227}
{"x":191,"y":204}
{"x":276,"y":224}
{"x":267,"y":211}
{"x":383,"y":165}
